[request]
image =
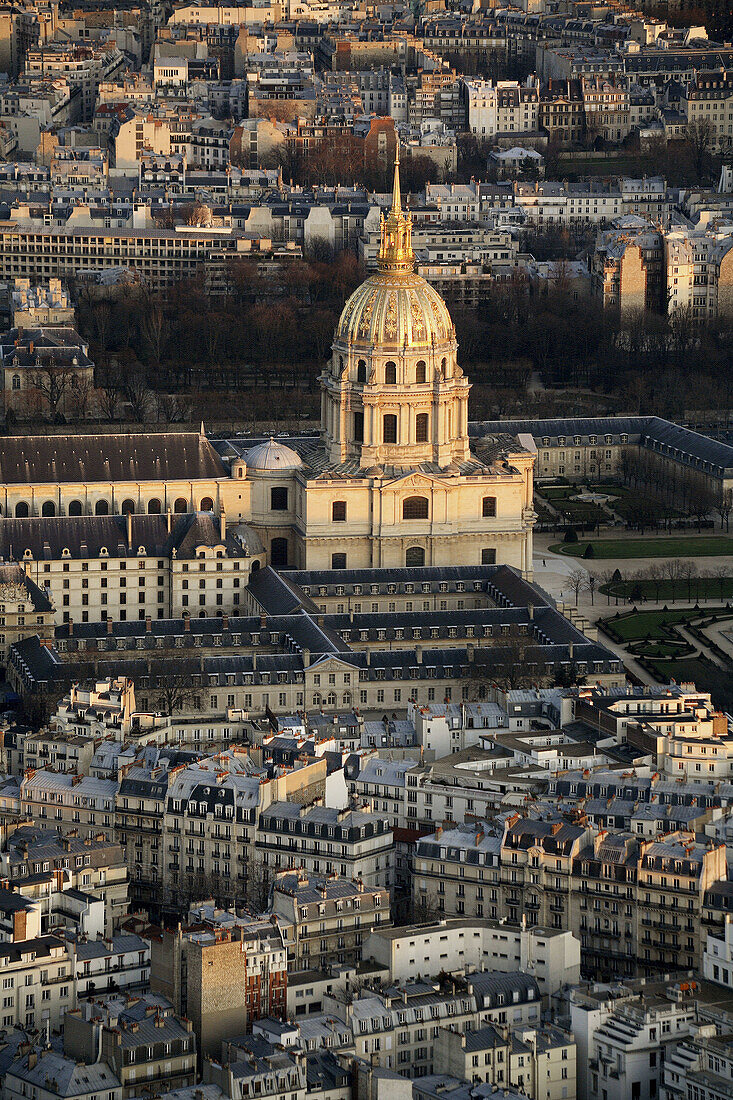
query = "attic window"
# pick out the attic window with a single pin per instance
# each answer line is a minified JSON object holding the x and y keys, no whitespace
{"x":66,"y":553}
{"x":27,"y":554}
{"x":103,"y":552}
{"x":141,"y":551}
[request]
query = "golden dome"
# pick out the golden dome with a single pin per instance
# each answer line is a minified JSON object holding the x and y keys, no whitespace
{"x":395,"y":309}
{"x":395,"y":306}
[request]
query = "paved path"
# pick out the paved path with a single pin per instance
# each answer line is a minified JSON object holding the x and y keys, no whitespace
{"x":551,"y":572}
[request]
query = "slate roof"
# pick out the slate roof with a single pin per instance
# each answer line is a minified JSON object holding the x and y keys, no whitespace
{"x":124,"y":457}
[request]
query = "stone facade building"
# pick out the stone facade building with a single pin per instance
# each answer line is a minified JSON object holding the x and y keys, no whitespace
{"x":326,"y":918}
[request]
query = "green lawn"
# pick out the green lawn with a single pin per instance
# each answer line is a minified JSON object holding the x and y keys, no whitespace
{"x":694,"y":546}
{"x":638,"y":625}
{"x":696,"y":669}
{"x":699,"y":588}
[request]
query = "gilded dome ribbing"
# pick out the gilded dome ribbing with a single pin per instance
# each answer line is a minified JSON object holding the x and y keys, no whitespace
{"x":395,"y":306}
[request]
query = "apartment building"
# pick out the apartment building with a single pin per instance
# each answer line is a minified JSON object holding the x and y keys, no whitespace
{"x":354,"y":843}
{"x":84,"y":67}
{"x":606,"y":108}
{"x":117,"y":964}
{"x":211,"y":824}
{"x":221,"y":972}
{"x":25,"y":609}
{"x":37,"y":982}
{"x":626,"y":1033}
{"x":252,"y":1063}
{"x":560,"y":113}
{"x":688,"y":741}
{"x":92,"y":866}
{"x":397,"y":1028}
{"x":607,"y":888}
{"x":470,"y":871}
{"x":628,"y":266}
{"x":699,"y":1065}
{"x":551,"y":956}
{"x":326,"y":919}
{"x":140,"y":1039}
{"x":699,"y":270}
{"x":540,"y":1062}
{"x":709,"y":100}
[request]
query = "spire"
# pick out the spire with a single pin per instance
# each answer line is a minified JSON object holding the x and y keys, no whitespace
{"x":396,"y":197}
{"x":395,"y":251}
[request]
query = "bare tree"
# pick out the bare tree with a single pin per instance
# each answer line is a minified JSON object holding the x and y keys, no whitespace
{"x":700,"y":138}
{"x":51,"y":383}
{"x":576,"y":582}
{"x":173,"y":692}
{"x":590,"y":587}
{"x":723,"y":507}
{"x":722,"y":574}
{"x":514,"y":663}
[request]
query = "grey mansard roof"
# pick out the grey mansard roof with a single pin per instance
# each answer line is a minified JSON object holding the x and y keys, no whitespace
{"x":652,"y":432}
{"x":124,"y":457}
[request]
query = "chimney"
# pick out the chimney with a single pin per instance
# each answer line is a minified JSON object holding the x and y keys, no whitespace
{"x":186,"y":621}
{"x":418,"y":654}
{"x":148,"y":624}
{"x":169,"y":518}
{"x":225,"y":622}
{"x":129,"y":529}
{"x":222,"y":525}
{"x":71,"y":627}
{"x":109,"y":624}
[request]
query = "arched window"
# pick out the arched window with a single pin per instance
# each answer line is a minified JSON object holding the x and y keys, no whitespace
{"x":415,"y":555}
{"x":154,"y":507}
{"x":488,"y":507}
{"x":21,"y":510}
{"x":390,"y":374}
{"x":358,"y":427}
{"x":279,"y":499}
{"x":421,"y":428}
{"x":75,"y":508}
{"x":331,"y":699}
{"x":338,"y":511}
{"x":317,"y":699}
{"x":420,"y":372}
{"x":346,"y":699}
{"x":415,"y":508}
{"x":48,"y":508}
{"x":181,"y":505}
{"x":255,"y":566}
{"x":128,"y":506}
{"x":279,"y":553}
{"x":207,"y":505}
{"x":338,"y":561}
{"x":101,"y":508}
{"x":390,"y":428}
{"x":361,"y":375}
{"x":443,"y":365}
{"x":16,"y":381}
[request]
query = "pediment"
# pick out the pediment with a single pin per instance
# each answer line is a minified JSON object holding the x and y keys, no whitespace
{"x":415,"y":479}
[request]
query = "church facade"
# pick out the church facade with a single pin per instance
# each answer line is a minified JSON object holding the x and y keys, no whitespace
{"x":392,"y":481}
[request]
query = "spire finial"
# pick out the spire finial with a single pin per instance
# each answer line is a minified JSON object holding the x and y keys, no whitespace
{"x":396,"y":197}
{"x":395,"y":253}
